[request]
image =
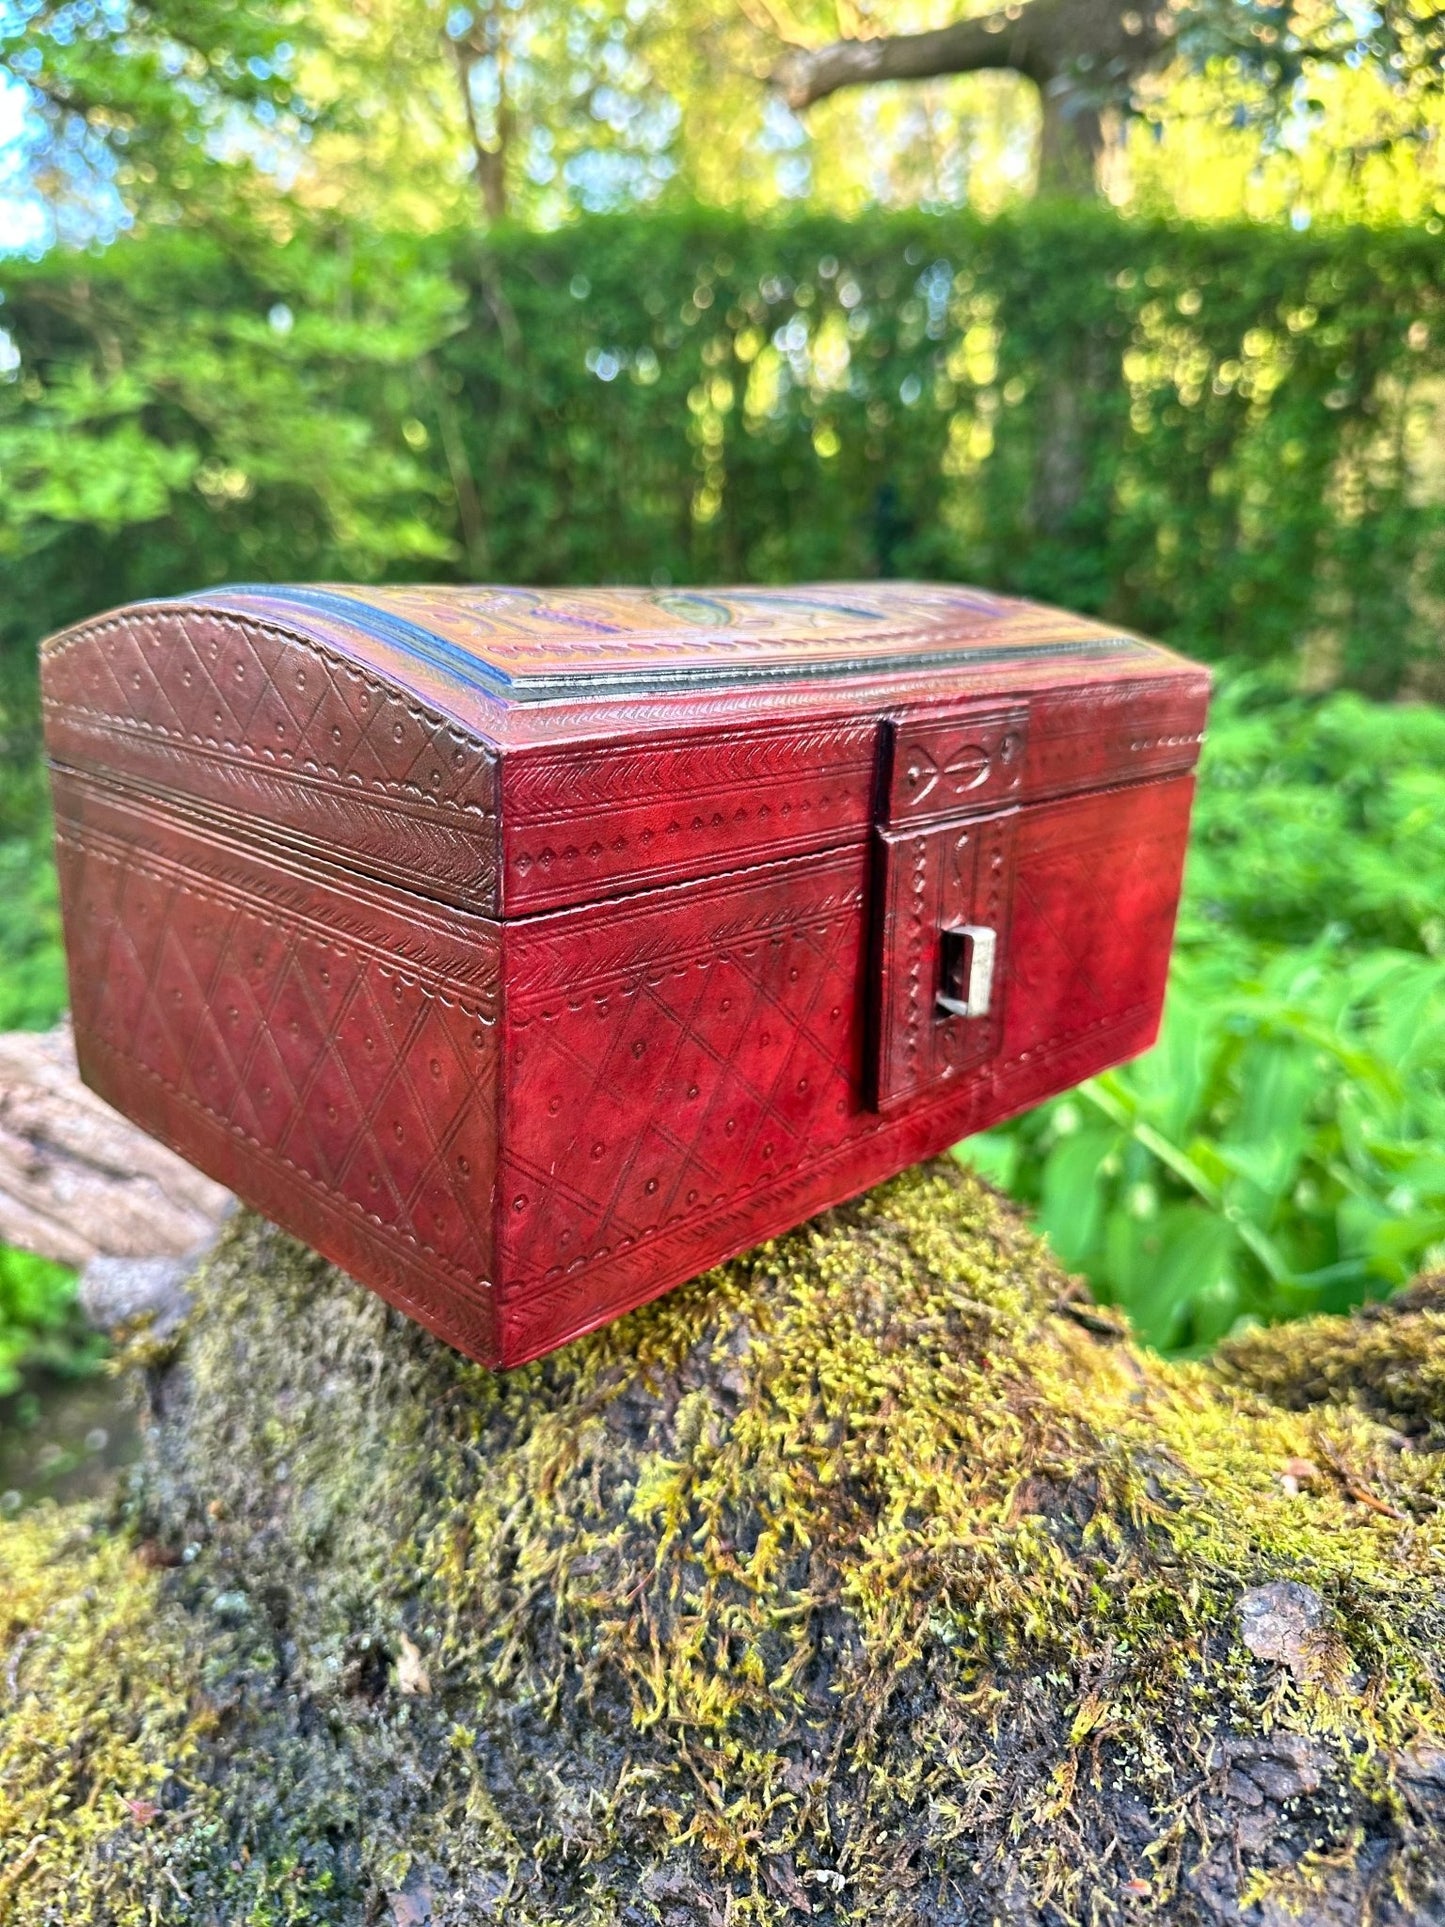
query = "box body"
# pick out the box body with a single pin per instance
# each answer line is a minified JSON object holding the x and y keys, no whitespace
{"x":529,"y":953}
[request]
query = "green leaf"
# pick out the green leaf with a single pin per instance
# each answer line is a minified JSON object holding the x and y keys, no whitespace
{"x":1071,"y":1211}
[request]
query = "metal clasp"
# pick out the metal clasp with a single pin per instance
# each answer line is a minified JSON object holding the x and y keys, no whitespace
{"x":967,"y":954}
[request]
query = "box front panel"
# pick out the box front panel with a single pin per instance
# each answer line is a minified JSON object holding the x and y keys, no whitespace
{"x":579,"y":827}
{"x":670,"y":1055}
{"x":325,"y":1052}
{"x":690,"y":1071}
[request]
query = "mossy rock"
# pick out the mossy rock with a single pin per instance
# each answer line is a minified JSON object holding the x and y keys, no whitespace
{"x":874,"y":1578}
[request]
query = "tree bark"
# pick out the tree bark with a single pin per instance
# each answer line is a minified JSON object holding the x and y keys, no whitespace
{"x":877,"y":1577}
{"x":1071,"y":142}
{"x":806,"y":75}
{"x":490,"y":161}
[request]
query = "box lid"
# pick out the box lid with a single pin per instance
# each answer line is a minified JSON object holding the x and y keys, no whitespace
{"x":513,"y":749}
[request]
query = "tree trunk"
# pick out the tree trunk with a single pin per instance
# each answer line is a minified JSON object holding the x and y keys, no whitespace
{"x":1071,"y":143}
{"x":490,"y":161}
{"x":875,"y":1578}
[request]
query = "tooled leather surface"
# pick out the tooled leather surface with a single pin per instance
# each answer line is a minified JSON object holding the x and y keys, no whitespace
{"x":614,"y":1282}
{"x":524,"y":631}
{"x":1112,"y":730}
{"x":680,"y":1067}
{"x":278,"y":730}
{"x":937,"y":768}
{"x":555,"y":787}
{"x":282,"y":729}
{"x":930,"y":879}
{"x":702,"y":1057}
{"x":1095,"y":892}
{"x":576,"y":824}
{"x":662,"y":1063}
{"x":591,"y":820}
{"x":343,"y":1045}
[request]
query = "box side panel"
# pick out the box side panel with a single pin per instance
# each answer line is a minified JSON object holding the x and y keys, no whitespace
{"x":1096,"y":892}
{"x":684,"y":1074}
{"x":281,"y":735}
{"x":1111,"y":730}
{"x":326,"y":1051}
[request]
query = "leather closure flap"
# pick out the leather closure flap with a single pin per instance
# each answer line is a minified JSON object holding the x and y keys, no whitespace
{"x":940,"y":766}
{"x":948,"y":803}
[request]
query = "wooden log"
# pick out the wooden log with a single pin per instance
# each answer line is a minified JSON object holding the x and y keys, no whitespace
{"x":77,"y":1180}
{"x":875,"y":1578}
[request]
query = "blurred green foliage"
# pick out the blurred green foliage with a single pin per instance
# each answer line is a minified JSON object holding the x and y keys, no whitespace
{"x":32,"y":963}
{"x":1282,"y":1150}
{"x":32,"y":966}
{"x":1229,"y":436}
{"x":40,"y":1327}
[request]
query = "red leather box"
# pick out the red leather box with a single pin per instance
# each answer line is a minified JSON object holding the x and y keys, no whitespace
{"x":527,"y":952}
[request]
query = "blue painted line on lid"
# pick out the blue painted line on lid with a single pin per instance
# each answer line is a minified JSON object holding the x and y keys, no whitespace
{"x":409,"y":637}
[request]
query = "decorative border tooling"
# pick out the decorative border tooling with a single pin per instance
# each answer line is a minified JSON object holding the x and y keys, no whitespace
{"x":944,"y":764}
{"x":309,"y":761}
{"x":541,"y":960}
{"x":124,"y":858}
{"x":1116,"y":731}
{"x":689,"y":770}
{"x":555,"y":879}
{"x":950,"y":872}
{"x":401,"y":843}
{"x":407,"y":937}
{"x":475,"y":999}
{"x":1051,"y":1048}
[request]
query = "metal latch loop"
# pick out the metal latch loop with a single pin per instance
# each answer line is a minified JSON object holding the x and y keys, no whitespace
{"x":967,"y":955}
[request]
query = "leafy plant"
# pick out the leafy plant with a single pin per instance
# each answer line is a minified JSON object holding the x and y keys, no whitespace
{"x":32,"y":961}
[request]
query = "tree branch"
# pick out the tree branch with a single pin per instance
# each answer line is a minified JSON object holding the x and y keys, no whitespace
{"x":1100,"y":45}
{"x":805,"y":75}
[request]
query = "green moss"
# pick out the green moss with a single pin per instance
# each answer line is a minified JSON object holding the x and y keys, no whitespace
{"x":861,"y":1575}
{"x":97,"y":1725}
{"x":1388,"y":1360}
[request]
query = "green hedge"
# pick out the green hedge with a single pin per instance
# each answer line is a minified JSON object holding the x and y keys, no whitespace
{"x":1227,"y":435}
